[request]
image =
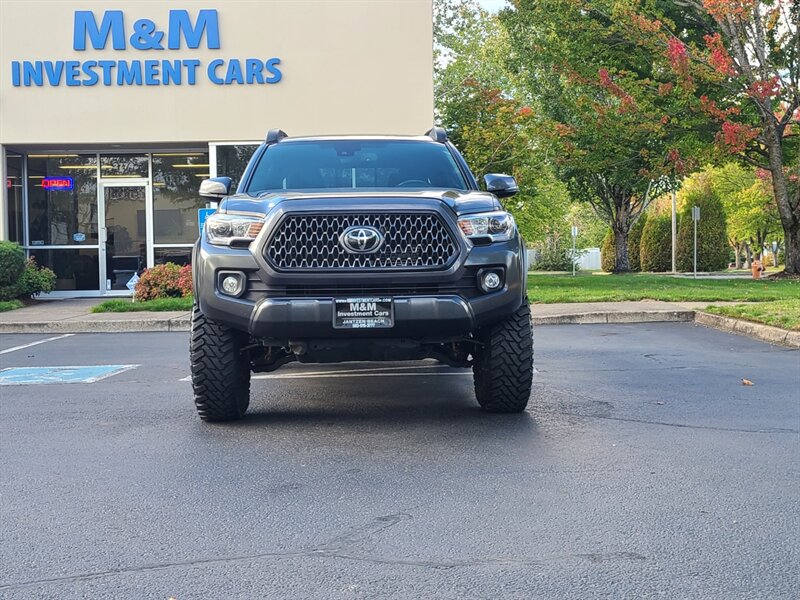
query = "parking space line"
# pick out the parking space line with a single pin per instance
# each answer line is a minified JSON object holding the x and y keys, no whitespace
{"x":343,"y":371}
{"x":345,"y":375}
{"x":22,"y":347}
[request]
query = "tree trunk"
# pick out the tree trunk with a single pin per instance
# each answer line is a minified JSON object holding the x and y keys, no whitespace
{"x":737,"y":249}
{"x":621,"y":251}
{"x":748,"y":260}
{"x":788,"y":207}
{"x":791,"y":248}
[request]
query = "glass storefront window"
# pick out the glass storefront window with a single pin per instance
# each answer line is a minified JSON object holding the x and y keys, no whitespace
{"x":75,"y":269}
{"x":123,"y":165}
{"x":176,"y":180}
{"x":58,"y":215}
{"x":179,"y":256}
{"x":232,"y":160}
{"x":14,"y":185}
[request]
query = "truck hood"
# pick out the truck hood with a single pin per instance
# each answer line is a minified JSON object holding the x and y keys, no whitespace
{"x":460,"y":202}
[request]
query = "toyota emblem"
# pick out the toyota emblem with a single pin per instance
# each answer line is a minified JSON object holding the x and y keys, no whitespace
{"x":361,"y":239}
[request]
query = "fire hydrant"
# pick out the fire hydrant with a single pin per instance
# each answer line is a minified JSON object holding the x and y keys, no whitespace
{"x":757,"y":268}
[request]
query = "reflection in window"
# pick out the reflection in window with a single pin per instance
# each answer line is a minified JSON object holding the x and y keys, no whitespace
{"x":176,"y":179}
{"x":123,"y":165}
{"x":62,"y":216}
{"x":232,"y":160}
{"x":14,"y":185}
{"x":179,"y":256}
{"x":75,"y":269}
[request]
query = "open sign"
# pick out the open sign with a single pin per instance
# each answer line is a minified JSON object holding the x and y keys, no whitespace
{"x":58,"y":183}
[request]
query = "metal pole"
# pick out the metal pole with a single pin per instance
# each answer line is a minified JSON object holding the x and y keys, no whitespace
{"x":674,"y":231}
{"x":573,"y":256}
{"x":695,"y":248}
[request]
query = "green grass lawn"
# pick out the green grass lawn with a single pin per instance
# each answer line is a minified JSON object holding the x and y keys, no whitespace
{"x":162,"y":304}
{"x":782,"y":313}
{"x":548,"y":289}
{"x":6,"y":305}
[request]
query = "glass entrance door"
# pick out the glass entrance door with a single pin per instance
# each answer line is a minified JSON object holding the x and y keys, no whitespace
{"x":125,"y":232}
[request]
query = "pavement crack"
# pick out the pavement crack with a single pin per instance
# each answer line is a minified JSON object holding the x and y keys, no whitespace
{"x":337,"y":548}
{"x":364,"y":532}
{"x":668,"y":424}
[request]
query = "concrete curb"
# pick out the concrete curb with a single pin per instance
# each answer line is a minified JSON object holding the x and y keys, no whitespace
{"x":99,"y":326}
{"x":765,"y":333}
{"x":638,"y":316}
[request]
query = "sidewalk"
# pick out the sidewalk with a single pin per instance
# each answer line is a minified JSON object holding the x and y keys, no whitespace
{"x":74,"y":316}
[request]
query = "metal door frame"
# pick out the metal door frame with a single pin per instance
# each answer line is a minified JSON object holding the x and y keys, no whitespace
{"x":102,"y":184}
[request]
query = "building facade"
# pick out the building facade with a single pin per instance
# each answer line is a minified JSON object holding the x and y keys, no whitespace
{"x":112,"y":114}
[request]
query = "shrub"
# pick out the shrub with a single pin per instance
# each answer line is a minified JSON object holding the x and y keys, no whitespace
{"x":12,"y":263}
{"x":164,"y":281}
{"x":655,"y":248}
{"x":554,"y":258}
{"x":634,"y":241}
{"x":712,"y":232}
{"x":32,"y":280}
{"x":36,"y":280}
{"x":608,"y":253}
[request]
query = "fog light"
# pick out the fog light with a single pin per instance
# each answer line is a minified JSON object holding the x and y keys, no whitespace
{"x":231,"y":284}
{"x":491,"y":281}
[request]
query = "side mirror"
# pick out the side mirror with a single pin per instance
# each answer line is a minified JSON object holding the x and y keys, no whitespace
{"x":215,"y":188}
{"x":502,"y":186}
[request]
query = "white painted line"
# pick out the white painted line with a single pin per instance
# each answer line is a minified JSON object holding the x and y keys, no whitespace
{"x":344,"y":375}
{"x":122,"y":369}
{"x":52,"y":339}
{"x":343,"y":371}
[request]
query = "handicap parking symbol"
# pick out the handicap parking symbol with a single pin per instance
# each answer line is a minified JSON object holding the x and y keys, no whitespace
{"x":70,"y":374}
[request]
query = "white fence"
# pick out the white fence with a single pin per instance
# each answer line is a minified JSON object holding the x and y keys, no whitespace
{"x":588,"y":259}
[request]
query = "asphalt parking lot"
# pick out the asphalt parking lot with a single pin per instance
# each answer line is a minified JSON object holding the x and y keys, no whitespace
{"x":642,"y":469}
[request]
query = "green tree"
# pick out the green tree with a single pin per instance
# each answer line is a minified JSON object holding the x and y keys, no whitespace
{"x":655,"y":249}
{"x":616,"y":137}
{"x":712,"y":236}
{"x":744,"y":74}
{"x":750,"y":207}
{"x":476,"y":101}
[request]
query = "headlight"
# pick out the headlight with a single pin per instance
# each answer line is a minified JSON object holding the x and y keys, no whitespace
{"x":221,"y":229}
{"x":498,"y":226}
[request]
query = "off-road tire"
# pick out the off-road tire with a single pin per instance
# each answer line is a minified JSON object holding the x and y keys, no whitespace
{"x":503,"y":364}
{"x":220,"y":370}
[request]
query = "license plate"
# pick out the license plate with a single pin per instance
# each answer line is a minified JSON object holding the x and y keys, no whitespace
{"x":363,"y":313}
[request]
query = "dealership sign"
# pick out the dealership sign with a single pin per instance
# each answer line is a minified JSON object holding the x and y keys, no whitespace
{"x":145,"y":36}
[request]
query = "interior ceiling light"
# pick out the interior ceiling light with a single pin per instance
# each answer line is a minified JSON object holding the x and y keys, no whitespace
{"x":195,"y":166}
{"x":81,"y":167}
{"x":52,"y":156}
{"x":202,"y":174}
{"x":180,"y":154}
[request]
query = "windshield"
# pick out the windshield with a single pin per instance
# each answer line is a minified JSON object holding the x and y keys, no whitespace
{"x":354,"y":164}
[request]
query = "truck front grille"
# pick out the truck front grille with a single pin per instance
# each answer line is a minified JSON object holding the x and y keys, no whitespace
{"x":310,"y":242}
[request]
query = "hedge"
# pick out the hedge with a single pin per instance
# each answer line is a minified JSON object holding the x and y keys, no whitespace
{"x":655,"y":248}
{"x":634,"y":241}
{"x":712,"y":232}
{"x":608,"y":253}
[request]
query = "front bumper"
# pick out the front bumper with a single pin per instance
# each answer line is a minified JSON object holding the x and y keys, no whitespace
{"x":419,"y":317}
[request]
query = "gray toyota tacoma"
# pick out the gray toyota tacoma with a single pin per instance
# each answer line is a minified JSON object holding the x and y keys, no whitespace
{"x":367,"y":248}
